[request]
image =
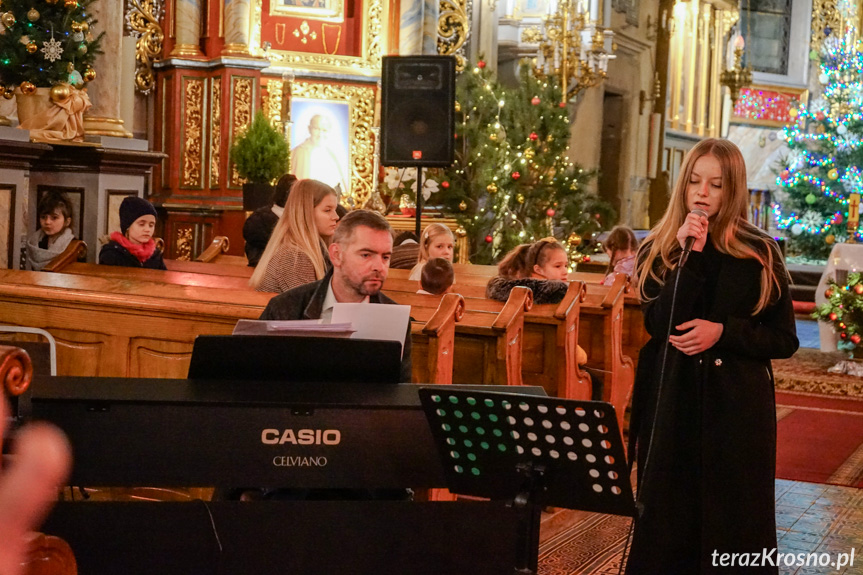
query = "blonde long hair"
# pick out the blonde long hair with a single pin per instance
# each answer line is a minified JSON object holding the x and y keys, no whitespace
{"x":297,"y":228}
{"x":730,"y":232}
{"x":428,"y":236}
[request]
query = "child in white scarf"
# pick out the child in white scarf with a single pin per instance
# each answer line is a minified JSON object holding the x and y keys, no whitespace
{"x":54,"y":234}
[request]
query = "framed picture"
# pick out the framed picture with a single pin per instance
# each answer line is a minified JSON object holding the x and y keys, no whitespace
{"x":769,"y":106}
{"x":329,"y":10}
{"x":320,"y":142}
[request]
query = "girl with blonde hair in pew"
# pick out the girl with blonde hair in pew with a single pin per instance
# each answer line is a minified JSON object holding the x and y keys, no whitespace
{"x":436,"y":241}
{"x":703,"y":411}
{"x":297,"y":251}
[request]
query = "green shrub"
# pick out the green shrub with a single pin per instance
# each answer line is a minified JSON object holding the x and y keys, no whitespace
{"x":261,"y":153}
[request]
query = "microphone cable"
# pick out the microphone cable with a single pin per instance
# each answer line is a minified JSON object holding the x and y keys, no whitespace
{"x":639,"y":506}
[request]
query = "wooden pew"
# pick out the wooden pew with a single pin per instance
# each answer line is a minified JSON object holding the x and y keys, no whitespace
{"x":76,"y":251}
{"x":488,"y":345}
{"x":159,"y":276}
{"x":129,"y":322}
{"x":217,"y":251}
{"x":119,"y":327}
{"x":550,"y":337}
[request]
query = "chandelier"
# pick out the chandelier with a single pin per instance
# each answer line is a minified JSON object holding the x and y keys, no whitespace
{"x":738,"y":76}
{"x":574,"y":48}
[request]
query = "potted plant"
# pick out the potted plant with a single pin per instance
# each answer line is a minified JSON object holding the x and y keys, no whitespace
{"x":261,"y":155}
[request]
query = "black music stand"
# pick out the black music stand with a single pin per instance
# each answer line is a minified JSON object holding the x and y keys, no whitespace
{"x":532,"y":451}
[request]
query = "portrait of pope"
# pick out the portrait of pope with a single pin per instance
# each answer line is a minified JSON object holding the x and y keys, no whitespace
{"x":321,"y":155}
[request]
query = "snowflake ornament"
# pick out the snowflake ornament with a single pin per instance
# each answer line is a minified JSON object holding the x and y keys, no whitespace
{"x":52,"y":49}
{"x":812,"y":220}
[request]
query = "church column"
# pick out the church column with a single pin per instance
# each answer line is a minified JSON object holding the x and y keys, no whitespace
{"x":103,"y":119}
{"x":187,"y":29}
{"x":237,"y":27}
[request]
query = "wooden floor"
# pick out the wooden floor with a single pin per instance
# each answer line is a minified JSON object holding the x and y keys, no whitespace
{"x":810,"y":518}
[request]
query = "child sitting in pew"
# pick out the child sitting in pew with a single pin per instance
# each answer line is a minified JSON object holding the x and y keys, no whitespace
{"x":133,"y":246}
{"x":54,"y":233}
{"x":436,"y":241}
{"x":437,"y":277}
{"x":621,"y":246}
{"x":541,"y":266}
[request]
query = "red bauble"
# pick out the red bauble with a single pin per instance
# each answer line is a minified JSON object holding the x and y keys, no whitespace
{"x":819,"y":116}
{"x":533,"y":136}
{"x":562,"y":105}
{"x":785,"y":174}
{"x":535,"y":100}
{"x":828,"y":293}
{"x":515,"y":175}
{"x":843,"y":335}
{"x":858,"y":289}
{"x":480,"y":64}
{"x":488,"y":239}
{"x":838,"y":219}
{"x":832,"y":316}
{"x":549,"y":212}
{"x":842,"y":325}
{"x":855,"y":339}
{"x":586,"y":259}
{"x":444,"y":185}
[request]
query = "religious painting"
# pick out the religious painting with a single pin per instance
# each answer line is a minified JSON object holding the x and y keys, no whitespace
{"x":329,"y":10}
{"x":320,"y":142}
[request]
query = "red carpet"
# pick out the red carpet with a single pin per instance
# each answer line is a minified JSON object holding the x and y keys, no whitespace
{"x":820,"y":439}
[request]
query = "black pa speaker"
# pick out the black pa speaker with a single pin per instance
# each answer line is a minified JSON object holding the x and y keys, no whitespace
{"x":417,"y":111}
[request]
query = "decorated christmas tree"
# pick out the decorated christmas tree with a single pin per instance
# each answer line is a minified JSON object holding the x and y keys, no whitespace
{"x":844,"y":311}
{"x":45,"y":44}
{"x":823,"y":166}
{"x":512,"y":181}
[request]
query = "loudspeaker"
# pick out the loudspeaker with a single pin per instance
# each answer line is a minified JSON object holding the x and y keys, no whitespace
{"x":417,"y":111}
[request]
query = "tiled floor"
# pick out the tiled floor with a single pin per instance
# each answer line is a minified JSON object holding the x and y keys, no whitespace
{"x":815,"y":518}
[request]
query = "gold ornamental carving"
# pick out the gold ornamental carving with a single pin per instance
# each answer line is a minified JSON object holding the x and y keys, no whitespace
{"x":183,"y":244}
{"x":453,"y":29}
{"x":142,"y":20}
{"x":362,"y":116}
{"x":368,"y":63}
{"x":242,"y":90}
{"x":273,"y":102}
{"x":215,"y":130}
{"x":193,"y":129}
{"x":825,"y":13}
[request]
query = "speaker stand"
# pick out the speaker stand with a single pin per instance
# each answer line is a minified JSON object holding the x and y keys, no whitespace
{"x":419,"y":202}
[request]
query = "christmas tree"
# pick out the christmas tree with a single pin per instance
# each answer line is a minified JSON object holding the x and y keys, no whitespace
{"x":823,"y":166}
{"x":512,"y":182}
{"x":46,"y":43}
{"x":844,"y":311}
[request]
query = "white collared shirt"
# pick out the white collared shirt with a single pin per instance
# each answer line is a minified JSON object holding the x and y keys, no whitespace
{"x":329,"y":301}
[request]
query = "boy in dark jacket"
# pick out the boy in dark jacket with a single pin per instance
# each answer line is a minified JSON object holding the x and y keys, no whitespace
{"x":133,"y":246}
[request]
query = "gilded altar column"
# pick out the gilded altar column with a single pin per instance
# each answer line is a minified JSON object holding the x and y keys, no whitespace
{"x":103,"y":118}
{"x":187,"y":29}
{"x":236,"y":27}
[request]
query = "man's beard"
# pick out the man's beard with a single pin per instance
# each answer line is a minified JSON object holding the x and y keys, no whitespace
{"x":364,"y":289}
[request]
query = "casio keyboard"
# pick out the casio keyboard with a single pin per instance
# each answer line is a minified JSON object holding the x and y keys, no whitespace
{"x":173,"y":433}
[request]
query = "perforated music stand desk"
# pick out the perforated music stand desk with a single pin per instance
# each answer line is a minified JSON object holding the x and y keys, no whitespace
{"x":533,"y":451}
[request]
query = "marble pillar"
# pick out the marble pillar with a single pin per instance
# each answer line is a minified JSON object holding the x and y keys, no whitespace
{"x":187,"y":29}
{"x":418,"y":23}
{"x":103,"y":118}
{"x":237,"y":27}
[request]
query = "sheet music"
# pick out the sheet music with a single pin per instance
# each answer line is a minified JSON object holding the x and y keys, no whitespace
{"x":371,"y":321}
{"x":300,"y":327}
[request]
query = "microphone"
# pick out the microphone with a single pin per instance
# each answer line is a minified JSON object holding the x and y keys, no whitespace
{"x":687,"y":245}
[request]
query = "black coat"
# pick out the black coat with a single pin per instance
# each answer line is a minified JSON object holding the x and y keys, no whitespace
{"x":708,"y":482}
{"x":307,"y":302}
{"x":257,"y":231}
{"x":544,"y":291}
{"x":113,"y":254}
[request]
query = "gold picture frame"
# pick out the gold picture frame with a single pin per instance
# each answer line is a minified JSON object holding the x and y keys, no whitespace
{"x":327,"y":10}
{"x":800,"y":94}
{"x":361,"y":117}
{"x":367,"y":63}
